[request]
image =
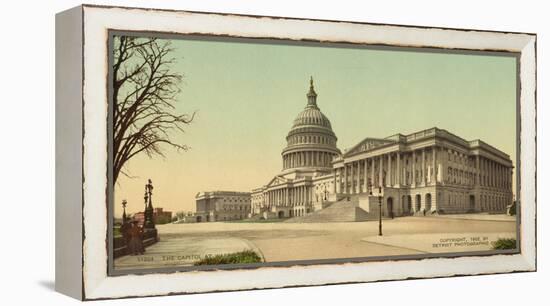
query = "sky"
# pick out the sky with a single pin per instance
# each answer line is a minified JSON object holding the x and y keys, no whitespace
{"x":247,"y":94}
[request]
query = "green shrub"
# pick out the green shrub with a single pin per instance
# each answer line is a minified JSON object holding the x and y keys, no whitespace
{"x":247,"y":256}
{"x":504,"y":244}
{"x":116,"y":231}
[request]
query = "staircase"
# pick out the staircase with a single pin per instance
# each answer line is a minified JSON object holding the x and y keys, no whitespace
{"x":339,"y":211}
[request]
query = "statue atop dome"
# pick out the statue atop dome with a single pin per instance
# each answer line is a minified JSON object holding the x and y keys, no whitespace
{"x":311,"y":95}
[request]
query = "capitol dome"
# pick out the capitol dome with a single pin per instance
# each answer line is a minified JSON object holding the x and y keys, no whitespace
{"x":311,"y":143}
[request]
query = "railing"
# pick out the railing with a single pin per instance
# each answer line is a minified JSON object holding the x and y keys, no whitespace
{"x":120,"y":247}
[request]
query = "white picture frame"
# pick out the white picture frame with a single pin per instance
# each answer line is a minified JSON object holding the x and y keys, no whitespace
{"x":81,"y":151}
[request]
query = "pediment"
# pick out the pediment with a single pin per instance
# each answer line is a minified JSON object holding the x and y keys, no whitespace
{"x":277,"y":180}
{"x":367,"y":145}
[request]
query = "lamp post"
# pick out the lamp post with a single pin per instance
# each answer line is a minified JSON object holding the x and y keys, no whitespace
{"x":149,"y":222}
{"x":379,"y":210}
{"x":124,"y":202}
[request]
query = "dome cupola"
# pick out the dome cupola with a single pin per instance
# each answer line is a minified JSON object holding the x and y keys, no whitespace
{"x":311,"y":143}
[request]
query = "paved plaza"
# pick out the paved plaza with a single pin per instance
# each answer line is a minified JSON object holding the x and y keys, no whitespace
{"x":183,"y":244}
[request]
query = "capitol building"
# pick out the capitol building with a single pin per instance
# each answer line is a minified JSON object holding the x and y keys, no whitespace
{"x":428,"y":172}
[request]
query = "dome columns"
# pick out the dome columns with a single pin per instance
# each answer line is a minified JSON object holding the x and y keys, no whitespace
{"x":308,"y":159}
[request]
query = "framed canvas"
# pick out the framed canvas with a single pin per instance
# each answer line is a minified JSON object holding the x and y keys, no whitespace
{"x":201,"y":152}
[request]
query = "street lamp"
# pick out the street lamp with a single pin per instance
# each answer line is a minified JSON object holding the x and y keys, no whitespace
{"x":148,"y":213}
{"x":124,"y":202}
{"x":379,"y":210}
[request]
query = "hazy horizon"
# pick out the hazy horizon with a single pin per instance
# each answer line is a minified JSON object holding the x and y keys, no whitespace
{"x":247,"y":95}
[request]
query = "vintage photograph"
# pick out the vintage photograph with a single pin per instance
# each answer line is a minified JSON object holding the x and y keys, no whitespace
{"x":227,"y":152}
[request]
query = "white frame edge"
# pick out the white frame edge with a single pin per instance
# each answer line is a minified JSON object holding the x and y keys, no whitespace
{"x":97,"y":22}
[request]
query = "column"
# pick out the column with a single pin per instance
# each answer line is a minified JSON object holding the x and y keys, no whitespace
{"x":497,"y":175}
{"x":380,"y":172}
{"x":478,"y":172}
{"x":398,"y":169}
{"x":500,"y":177}
{"x":423,"y":172}
{"x":389,"y":173}
{"x":334,"y":188}
{"x":339,"y":180}
{"x":433,"y":174}
{"x":483,"y":171}
{"x":413,"y":183}
{"x":352,"y":177}
{"x":492,"y":174}
{"x":345,"y":178}
{"x":489,"y":174}
{"x":366,"y":175}
{"x":358,"y":184}
{"x":372,"y":172}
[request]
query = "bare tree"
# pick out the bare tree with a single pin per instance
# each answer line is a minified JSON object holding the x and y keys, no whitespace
{"x":144,"y":96}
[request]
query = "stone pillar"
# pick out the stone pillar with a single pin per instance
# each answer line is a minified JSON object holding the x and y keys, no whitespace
{"x":398,"y":169}
{"x":366,"y":175}
{"x":493,"y":174}
{"x":381,"y":172}
{"x":433,"y":170}
{"x":353,"y":177}
{"x":482,"y":171}
{"x":339,"y":180}
{"x":497,"y":175}
{"x":489,"y":174}
{"x":372,"y":171}
{"x":478,"y":172}
{"x":423,"y":172}
{"x":389,"y":174}
{"x":345,"y":178}
{"x":334,"y":188}
{"x":501,"y":176}
{"x":413,"y":183}
{"x":358,"y":183}
{"x":285,"y":192}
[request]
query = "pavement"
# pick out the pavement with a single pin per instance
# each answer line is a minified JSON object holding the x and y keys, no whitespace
{"x":441,"y":243}
{"x":183,"y":251}
{"x":182,"y":244}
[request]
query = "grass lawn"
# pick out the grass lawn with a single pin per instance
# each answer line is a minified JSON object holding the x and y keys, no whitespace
{"x":504,"y":244}
{"x":247,"y":256}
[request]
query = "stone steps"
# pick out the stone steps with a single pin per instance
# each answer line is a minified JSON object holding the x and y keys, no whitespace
{"x":340,"y":211}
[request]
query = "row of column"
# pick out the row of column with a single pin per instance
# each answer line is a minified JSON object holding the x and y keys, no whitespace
{"x":493,"y":174}
{"x":307,"y":158}
{"x":289,"y":196}
{"x":355,"y":178}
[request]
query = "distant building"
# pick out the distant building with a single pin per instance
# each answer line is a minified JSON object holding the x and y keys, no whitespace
{"x":222,"y":206}
{"x":160,"y":216}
